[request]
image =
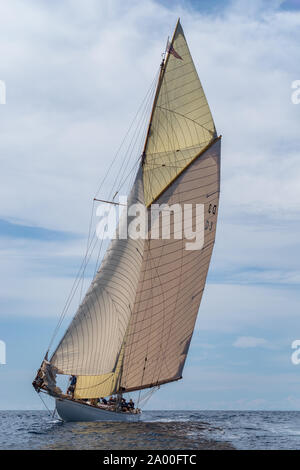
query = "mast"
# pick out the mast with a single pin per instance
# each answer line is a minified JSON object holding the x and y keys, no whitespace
{"x":159,"y":82}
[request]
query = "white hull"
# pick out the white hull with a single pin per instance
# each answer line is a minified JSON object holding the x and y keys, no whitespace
{"x":70,"y":410}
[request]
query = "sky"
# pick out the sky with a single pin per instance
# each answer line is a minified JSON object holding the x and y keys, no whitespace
{"x":76,"y":73}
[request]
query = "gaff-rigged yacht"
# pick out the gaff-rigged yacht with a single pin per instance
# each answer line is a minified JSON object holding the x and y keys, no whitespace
{"x":132,"y":331}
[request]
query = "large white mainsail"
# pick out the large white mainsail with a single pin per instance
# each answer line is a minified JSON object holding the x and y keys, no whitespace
{"x":134,"y":326}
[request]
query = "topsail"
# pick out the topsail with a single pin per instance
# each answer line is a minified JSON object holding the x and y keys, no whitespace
{"x":134,"y":326}
{"x":182,"y":124}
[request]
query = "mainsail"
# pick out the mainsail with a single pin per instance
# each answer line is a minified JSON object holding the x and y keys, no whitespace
{"x":134,"y":326}
{"x":171,"y":283}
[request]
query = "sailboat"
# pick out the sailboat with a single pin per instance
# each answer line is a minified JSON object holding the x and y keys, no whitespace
{"x":133,"y":328}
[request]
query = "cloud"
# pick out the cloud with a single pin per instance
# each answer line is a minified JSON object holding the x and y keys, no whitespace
{"x":66,"y":113}
{"x":250,"y":342}
{"x":83,"y":79}
{"x":75,"y":75}
{"x":233,"y":308}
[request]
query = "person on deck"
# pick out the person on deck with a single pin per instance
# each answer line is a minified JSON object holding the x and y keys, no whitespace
{"x":104,"y":401}
{"x":111,"y":403}
{"x":124,"y":405}
{"x":130,"y":405}
{"x":71,"y":388}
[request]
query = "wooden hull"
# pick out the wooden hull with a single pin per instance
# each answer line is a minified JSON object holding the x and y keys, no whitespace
{"x":70,"y":410}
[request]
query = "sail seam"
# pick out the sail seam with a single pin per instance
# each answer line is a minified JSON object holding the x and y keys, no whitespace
{"x":185,"y":168}
{"x":185,"y":117}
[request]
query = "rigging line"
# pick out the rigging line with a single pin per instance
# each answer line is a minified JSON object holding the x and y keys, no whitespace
{"x":153,"y":265}
{"x":188,"y":278}
{"x":71,"y":295}
{"x":148,"y":242}
{"x":128,"y":155}
{"x":176,"y":119}
{"x":163,"y":360}
{"x":170,"y":124}
{"x":145,"y":398}
{"x":78,"y":277}
{"x":149,"y":302}
{"x":87,"y":246}
{"x":163,"y":307}
{"x":155,"y":166}
{"x":121,"y":183}
{"x":171,"y":127}
{"x":128,"y":175}
{"x":110,"y":202}
{"x":67,"y":303}
{"x":113,"y":189}
{"x":135,"y":136}
{"x":72,"y":292}
{"x":133,"y":319}
{"x":204,"y":258}
{"x":180,"y":97}
{"x":86,"y":258}
{"x":82,"y":268}
{"x":157,"y":155}
{"x":49,"y":411}
{"x":97,"y":265}
{"x":156,"y":139}
{"x":145,"y":355}
{"x":121,"y":357}
{"x":164,"y":122}
{"x":182,"y":131}
{"x":162,"y":291}
{"x":135,"y":117}
{"x":182,"y":115}
{"x":163,"y":91}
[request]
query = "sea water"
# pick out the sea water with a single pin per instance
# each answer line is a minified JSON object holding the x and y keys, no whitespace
{"x":156,"y":430}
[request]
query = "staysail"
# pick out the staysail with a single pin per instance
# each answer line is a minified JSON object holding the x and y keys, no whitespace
{"x":134,"y":327}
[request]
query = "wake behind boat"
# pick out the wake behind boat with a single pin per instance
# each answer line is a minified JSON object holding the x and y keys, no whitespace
{"x":132,"y":331}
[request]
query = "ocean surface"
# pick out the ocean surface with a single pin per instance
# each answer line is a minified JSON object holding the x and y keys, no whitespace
{"x":157,"y":430}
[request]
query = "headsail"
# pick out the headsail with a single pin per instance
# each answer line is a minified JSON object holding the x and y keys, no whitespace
{"x":95,"y":386}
